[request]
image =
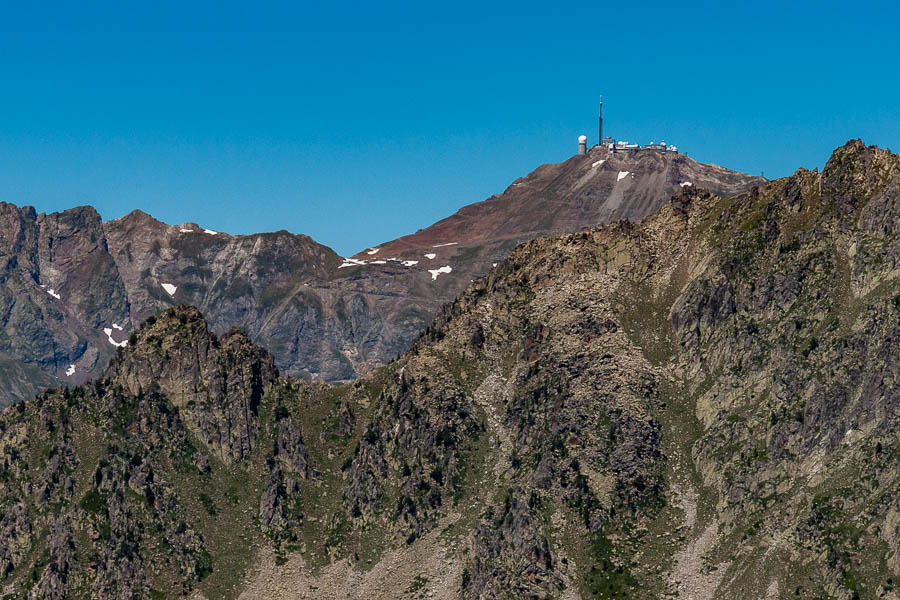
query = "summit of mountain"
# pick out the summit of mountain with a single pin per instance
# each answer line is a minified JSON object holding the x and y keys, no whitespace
{"x":598,"y":187}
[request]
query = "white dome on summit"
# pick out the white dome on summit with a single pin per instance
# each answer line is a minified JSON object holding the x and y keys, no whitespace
{"x":582,"y":138}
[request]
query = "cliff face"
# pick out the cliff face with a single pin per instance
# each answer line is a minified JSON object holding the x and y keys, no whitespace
{"x":73,"y":288}
{"x":263,"y":283}
{"x":58,"y":289}
{"x":702,"y":405}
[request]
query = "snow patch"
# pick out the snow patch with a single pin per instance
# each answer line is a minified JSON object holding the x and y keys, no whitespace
{"x":117,"y":326}
{"x":108,"y":332}
{"x":431,"y":256}
{"x":70,"y":371}
{"x":351,"y":262}
{"x":373,"y":251}
{"x":183,"y":230}
{"x":685,"y":183}
{"x":493,"y":264}
{"x":436,"y":272}
{"x":170,"y":288}
{"x":53,"y":293}
{"x":379,"y":262}
{"x":598,"y":163}
{"x":210,"y":232}
{"x":447,"y":244}
{"x":410,"y":263}
{"x":622,"y":175}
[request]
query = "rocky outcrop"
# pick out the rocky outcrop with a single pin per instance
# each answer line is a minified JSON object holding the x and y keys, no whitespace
{"x":52,"y":584}
{"x":509,"y":557}
{"x":15,"y":538}
{"x":217,"y":383}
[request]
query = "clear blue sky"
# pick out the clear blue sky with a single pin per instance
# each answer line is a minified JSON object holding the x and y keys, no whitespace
{"x":356,"y":122}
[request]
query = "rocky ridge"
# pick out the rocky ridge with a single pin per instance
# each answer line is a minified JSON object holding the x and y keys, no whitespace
{"x":700,"y":405}
{"x":73,"y":288}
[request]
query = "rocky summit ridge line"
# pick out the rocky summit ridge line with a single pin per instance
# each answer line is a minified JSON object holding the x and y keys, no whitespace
{"x":700,"y":406}
{"x":72,"y":288}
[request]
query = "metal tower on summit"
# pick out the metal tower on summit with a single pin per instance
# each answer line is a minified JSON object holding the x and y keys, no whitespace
{"x":600,"y":132}
{"x":613,"y":145}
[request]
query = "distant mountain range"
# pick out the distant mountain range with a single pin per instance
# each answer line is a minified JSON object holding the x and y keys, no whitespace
{"x":702,"y":405}
{"x":73,"y":288}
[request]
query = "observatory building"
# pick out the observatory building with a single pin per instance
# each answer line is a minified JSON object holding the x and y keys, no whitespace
{"x":613,"y":145}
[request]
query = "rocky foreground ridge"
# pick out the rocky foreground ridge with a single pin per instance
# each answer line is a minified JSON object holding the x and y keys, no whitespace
{"x":700,"y":406}
{"x":72,"y":288}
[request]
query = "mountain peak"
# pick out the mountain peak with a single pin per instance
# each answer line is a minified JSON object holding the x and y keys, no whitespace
{"x":584,"y":190}
{"x":217,"y":382}
{"x":137,"y":215}
{"x":855,"y":172}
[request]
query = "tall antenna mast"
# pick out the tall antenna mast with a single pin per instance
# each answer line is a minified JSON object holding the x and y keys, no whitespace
{"x":600,"y":131}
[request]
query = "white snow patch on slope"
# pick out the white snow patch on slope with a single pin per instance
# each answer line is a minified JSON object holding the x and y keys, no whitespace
{"x":447,"y":244}
{"x":53,"y":293}
{"x":622,"y":175}
{"x":210,"y":232}
{"x":431,"y":256}
{"x":410,"y":263}
{"x":117,"y":326}
{"x":379,"y":262}
{"x":351,"y":262}
{"x":70,"y":371}
{"x":373,"y":251}
{"x":108,"y":332}
{"x":436,"y":272}
{"x":170,"y":288}
{"x":685,"y":183}
{"x":598,"y":163}
{"x":183,"y":230}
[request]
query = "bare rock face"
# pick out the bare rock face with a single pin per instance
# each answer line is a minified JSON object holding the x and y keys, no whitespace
{"x":72,"y":289}
{"x":59,"y":286}
{"x":259,"y":283}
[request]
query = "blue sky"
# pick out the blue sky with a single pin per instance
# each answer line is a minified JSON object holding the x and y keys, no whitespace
{"x":361,"y":121}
